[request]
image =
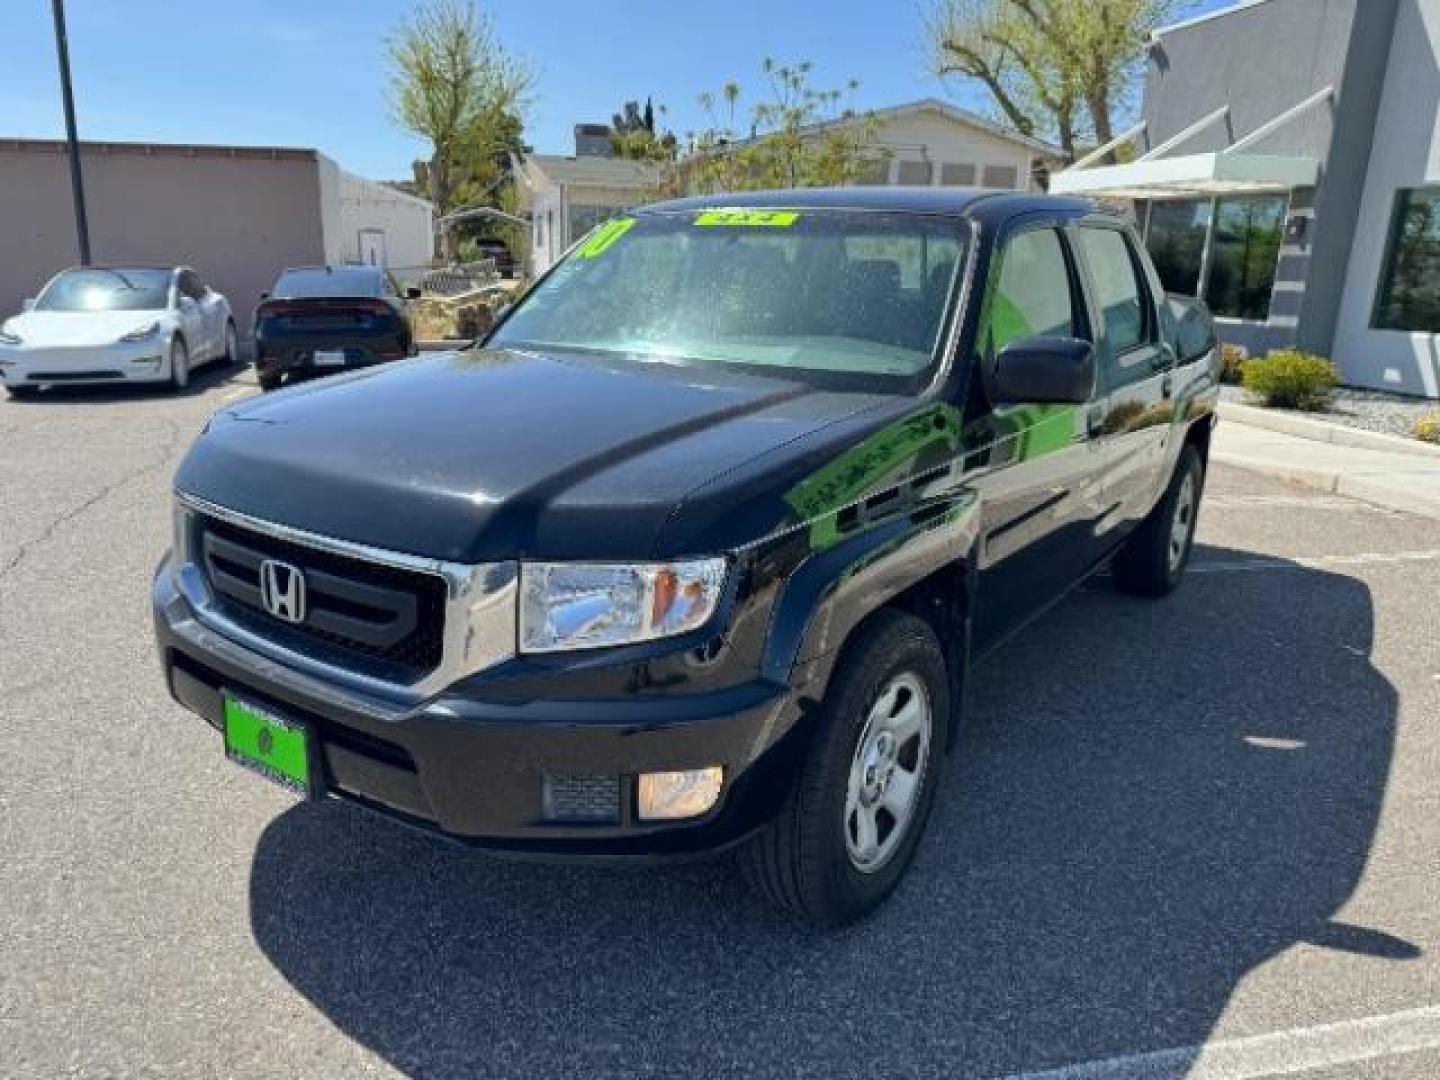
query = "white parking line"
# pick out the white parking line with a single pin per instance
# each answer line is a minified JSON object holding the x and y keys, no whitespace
{"x":1277,"y":1054}
{"x":1298,"y":502}
{"x":1316,"y":562}
{"x":244,"y":391}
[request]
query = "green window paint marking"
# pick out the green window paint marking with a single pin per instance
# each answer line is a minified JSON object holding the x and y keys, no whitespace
{"x":605,"y":238}
{"x":754,"y":219}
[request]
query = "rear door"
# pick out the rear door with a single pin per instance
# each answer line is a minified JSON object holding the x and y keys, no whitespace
{"x":1133,"y":414}
{"x":1036,"y":470}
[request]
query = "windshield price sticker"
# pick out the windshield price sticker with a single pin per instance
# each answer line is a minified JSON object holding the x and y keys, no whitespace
{"x":755,"y":219}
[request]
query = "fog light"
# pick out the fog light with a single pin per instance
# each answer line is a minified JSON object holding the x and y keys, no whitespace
{"x":670,"y":795}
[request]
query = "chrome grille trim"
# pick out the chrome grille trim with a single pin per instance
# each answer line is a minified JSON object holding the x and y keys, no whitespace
{"x":481,"y":605}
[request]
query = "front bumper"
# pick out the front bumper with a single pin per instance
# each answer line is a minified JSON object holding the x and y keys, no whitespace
{"x":141,"y":361}
{"x":487,"y":772}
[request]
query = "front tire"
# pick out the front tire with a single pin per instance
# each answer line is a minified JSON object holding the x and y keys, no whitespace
{"x":1153,"y":560}
{"x":270,"y":382}
{"x":849,"y":827}
{"x":179,"y":364}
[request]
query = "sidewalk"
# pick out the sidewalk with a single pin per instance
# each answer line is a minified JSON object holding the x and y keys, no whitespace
{"x":1399,"y":481}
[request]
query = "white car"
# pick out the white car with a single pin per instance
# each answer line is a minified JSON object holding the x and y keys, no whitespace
{"x":109,"y":324}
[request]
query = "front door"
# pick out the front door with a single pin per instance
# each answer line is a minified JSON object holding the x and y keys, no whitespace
{"x":1035,"y":468}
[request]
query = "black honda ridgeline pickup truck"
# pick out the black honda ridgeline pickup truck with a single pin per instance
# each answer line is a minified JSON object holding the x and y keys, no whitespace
{"x":693,"y":551}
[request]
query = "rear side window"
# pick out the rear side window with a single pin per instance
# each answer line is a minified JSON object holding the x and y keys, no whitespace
{"x":1032,"y":294}
{"x":1118,"y":291}
{"x":335,"y":281}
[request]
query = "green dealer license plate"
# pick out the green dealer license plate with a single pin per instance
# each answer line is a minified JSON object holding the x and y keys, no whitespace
{"x":277,"y":748}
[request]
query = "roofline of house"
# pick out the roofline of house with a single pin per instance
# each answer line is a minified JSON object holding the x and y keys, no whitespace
{"x":909,"y":108}
{"x":41,"y":146}
{"x":522,"y":166}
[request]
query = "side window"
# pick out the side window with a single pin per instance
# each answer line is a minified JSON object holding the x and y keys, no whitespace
{"x":1032,"y":294}
{"x":1119,"y":293}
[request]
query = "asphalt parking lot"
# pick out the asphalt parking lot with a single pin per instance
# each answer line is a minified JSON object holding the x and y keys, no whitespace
{"x":1200,"y":836}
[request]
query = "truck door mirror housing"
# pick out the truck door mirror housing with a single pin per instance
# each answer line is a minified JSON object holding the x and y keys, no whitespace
{"x":1194,"y":332}
{"x":1044,"y":370}
{"x":28,"y":304}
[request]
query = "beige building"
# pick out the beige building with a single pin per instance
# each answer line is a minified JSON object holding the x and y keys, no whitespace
{"x":238,"y":215}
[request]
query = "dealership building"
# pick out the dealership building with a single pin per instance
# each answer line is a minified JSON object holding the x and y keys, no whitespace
{"x":1286,"y":167}
{"x":237,"y":214}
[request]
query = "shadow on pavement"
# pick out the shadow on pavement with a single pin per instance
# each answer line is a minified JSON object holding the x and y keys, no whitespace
{"x":1149,"y":801}
{"x":202,"y":379}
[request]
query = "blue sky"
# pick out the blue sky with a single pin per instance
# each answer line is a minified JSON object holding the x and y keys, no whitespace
{"x":312,"y":72}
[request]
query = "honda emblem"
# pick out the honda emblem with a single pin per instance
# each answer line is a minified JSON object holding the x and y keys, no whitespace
{"x":282,"y":590}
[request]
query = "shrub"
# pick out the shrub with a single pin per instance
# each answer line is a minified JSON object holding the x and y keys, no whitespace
{"x":1290,"y":379}
{"x":1427,"y":427}
{"x":1232,"y":363}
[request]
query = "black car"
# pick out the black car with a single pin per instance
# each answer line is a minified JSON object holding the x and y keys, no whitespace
{"x":695,"y":550}
{"x":499,"y":251}
{"x":317,"y":320}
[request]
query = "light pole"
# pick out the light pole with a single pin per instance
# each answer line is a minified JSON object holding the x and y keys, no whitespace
{"x":77,"y":182}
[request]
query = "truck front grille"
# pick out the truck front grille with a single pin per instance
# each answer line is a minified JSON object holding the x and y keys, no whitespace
{"x":388,"y":616}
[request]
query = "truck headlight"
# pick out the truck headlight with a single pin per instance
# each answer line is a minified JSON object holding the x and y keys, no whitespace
{"x":589,"y":605}
{"x":143,"y":333}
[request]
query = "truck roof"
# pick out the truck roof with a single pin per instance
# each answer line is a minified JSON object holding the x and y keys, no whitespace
{"x":914,"y":200}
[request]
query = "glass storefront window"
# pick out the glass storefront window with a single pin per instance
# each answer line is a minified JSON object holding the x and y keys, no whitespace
{"x":1176,"y":241}
{"x":1244,"y":249}
{"x":1410,"y":281}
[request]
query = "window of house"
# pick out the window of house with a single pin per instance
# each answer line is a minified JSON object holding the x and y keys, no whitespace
{"x":1175,"y":239}
{"x":915,"y":172}
{"x":1001,"y":176}
{"x":1409,"y":297}
{"x":1244,"y":250}
{"x":1032,"y":294}
{"x":1119,"y":293}
{"x":957,"y":174}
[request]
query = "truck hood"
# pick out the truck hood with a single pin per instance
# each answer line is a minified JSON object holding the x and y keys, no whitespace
{"x":482,"y":455}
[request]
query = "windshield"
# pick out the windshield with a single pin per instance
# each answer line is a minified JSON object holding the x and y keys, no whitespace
{"x":817,"y":292}
{"x":97,"y":289}
{"x":350,"y":281}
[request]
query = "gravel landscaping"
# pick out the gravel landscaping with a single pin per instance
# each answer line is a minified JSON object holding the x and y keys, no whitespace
{"x":1371,"y":410}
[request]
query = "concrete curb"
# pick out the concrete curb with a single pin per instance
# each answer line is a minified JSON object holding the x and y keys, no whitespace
{"x":1324,"y":431}
{"x":1364,"y":487}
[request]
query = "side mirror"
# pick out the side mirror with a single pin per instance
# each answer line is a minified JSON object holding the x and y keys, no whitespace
{"x":28,"y":304}
{"x":1194,"y":333}
{"x":1043,"y":371}
{"x":265,"y":295}
{"x":412,"y":293}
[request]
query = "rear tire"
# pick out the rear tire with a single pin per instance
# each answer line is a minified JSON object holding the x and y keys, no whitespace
{"x":22,"y":392}
{"x":880,"y":744}
{"x":270,"y":382}
{"x":1152,"y":561}
{"x":179,"y":364}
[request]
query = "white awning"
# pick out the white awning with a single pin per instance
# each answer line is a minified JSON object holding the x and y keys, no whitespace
{"x":1193,"y":175}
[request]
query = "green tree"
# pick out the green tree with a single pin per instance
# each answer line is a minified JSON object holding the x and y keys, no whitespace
{"x":456,"y":86}
{"x":799,"y":136}
{"x":1056,"y":68}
